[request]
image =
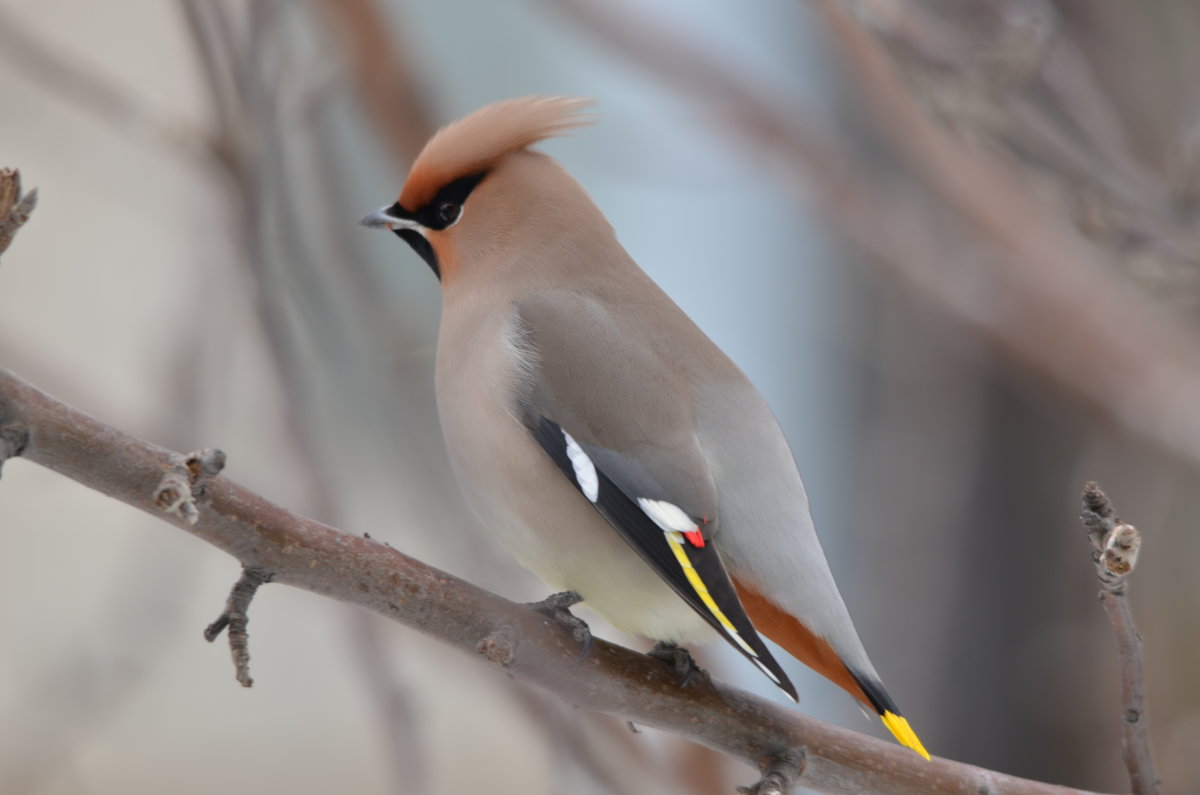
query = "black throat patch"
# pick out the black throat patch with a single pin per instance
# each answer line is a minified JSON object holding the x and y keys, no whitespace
{"x":420,"y":245}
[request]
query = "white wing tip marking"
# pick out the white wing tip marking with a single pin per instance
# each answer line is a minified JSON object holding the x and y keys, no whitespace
{"x":753,"y":654}
{"x":585,"y":470}
{"x":668,"y":516}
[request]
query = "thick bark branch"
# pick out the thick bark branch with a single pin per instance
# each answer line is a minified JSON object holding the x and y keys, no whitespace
{"x":297,"y":551}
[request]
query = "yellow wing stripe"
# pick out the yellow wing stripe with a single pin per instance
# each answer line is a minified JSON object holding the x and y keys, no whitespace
{"x":904,"y":734}
{"x":693,"y":577}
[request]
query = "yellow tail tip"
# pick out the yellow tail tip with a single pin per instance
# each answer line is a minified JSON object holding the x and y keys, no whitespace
{"x":903,"y":733}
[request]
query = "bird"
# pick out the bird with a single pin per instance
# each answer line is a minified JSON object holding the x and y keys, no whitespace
{"x":604,"y":439}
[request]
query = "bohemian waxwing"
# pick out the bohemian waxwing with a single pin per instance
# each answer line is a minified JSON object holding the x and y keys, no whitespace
{"x":615,"y":450}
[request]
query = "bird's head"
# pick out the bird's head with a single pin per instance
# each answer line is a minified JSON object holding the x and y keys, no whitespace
{"x":476,"y":188}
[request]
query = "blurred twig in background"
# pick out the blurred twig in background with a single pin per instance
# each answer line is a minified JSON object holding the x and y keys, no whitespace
{"x":1031,"y":284}
{"x":89,"y":88}
{"x":387,"y":88}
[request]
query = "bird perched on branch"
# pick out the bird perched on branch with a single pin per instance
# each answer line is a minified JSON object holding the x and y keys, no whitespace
{"x":614,"y":449}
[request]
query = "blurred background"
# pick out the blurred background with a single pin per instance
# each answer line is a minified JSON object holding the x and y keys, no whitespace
{"x":955,"y":245}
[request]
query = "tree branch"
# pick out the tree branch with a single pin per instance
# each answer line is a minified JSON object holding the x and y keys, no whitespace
{"x":306,"y":554}
{"x":1115,"y":547}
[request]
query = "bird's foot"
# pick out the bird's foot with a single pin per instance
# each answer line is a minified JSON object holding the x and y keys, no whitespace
{"x":678,"y":658}
{"x":558,"y":607}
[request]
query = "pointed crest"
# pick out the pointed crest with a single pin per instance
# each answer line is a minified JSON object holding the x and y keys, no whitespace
{"x":479,"y":140}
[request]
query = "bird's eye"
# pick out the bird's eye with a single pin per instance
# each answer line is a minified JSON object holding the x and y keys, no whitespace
{"x":448,"y":212}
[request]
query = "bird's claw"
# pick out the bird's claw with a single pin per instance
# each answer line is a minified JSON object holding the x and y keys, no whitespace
{"x":678,"y":658}
{"x":558,"y":607}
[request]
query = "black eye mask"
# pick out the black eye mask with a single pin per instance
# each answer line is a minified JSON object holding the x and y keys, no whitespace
{"x":441,"y":212}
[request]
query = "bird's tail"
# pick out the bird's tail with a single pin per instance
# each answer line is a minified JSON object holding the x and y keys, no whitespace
{"x":896,"y":723}
{"x":815,"y":652}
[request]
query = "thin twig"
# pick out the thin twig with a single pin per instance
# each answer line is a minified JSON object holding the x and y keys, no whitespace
{"x":236,"y":617}
{"x":306,"y":554}
{"x":1115,"y":547}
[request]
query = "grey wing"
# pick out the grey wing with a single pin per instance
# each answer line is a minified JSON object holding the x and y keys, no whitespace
{"x":618,"y":422}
